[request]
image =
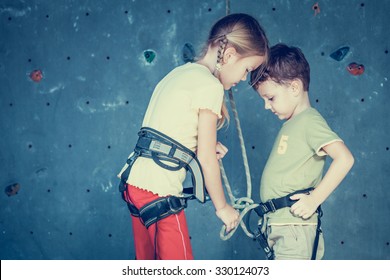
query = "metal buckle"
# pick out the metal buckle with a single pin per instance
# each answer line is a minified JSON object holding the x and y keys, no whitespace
{"x":171,"y":204}
{"x":272,"y":205}
{"x":264,"y":208}
{"x":131,"y":159}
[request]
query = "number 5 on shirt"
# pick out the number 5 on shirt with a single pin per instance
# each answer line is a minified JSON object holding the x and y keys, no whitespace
{"x":282,"y":148}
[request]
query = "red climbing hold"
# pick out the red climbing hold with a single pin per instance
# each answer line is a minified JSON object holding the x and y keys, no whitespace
{"x":355,"y":68}
{"x":12,"y":189}
{"x":36,"y":76}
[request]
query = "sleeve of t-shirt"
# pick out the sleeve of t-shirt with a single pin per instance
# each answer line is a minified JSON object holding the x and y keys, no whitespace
{"x":319,"y":134}
{"x":209,"y":98}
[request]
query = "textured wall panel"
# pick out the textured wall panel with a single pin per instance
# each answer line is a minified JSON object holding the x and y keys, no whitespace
{"x":65,"y":135}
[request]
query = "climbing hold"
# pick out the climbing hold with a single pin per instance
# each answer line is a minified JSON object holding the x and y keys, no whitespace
{"x":41,"y":172}
{"x":340,"y":53}
{"x":355,"y":68}
{"x":188,"y":53}
{"x":36,"y":75}
{"x":149,"y":56}
{"x":12,"y":189}
{"x":316,"y":9}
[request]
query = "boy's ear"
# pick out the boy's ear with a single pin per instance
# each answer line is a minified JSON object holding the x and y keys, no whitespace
{"x":229,"y":52}
{"x":296,"y":87}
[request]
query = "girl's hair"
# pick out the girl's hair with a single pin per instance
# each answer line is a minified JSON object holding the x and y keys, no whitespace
{"x":286,"y":64}
{"x":242,"y":32}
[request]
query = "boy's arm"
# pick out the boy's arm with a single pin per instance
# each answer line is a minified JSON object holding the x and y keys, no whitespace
{"x":342,"y":162}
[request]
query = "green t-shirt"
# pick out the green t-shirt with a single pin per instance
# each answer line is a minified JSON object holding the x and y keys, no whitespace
{"x":296,"y":161}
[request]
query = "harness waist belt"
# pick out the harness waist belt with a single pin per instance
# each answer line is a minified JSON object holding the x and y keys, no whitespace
{"x":160,"y":147}
{"x":277,"y":203}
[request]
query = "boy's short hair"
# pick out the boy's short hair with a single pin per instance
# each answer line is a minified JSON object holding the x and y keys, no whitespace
{"x":284,"y":65}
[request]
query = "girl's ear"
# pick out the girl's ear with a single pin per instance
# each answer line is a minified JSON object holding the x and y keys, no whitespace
{"x":229,"y":53}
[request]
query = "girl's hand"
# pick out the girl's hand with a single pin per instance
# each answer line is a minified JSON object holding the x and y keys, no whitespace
{"x":229,"y":217}
{"x":221,"y":150}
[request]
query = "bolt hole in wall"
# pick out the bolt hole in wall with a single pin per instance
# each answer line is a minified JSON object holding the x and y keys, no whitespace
{"x":109,"y":59}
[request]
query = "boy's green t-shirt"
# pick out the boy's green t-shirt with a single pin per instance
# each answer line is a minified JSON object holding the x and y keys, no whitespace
{"x":296,"y":161}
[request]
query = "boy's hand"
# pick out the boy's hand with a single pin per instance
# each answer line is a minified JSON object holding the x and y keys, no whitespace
{"x":221,"y":150}
{"x":229,"y":217}
{"x":305,"y":206}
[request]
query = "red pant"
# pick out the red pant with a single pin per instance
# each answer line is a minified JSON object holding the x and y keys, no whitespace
{"x":168,"y":239}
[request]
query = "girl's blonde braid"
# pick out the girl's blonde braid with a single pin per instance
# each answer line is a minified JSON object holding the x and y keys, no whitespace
{"x":221,"y":50}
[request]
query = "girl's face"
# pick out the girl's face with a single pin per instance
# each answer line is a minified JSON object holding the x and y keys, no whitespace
{"x":237,"y":67}
{"x":278,"y":98}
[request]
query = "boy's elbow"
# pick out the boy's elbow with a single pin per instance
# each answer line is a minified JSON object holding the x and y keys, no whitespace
{"x":352,"y":160}
{"x":349,"y":160}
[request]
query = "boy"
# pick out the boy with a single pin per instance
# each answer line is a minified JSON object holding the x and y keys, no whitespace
{"x":298,"y":156}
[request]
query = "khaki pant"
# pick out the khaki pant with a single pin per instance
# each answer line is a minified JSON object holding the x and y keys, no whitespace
{"x":294,"y":242}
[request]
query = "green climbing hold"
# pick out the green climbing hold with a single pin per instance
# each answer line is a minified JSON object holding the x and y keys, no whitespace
{"x":149,"y":56}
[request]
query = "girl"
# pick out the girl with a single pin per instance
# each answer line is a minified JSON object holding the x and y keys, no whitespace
{"x":187,"y":107}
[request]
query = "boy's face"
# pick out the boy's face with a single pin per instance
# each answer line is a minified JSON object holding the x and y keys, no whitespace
{"x":278,"y":98}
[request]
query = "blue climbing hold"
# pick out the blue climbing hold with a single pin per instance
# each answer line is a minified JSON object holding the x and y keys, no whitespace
{"x":340,"y":53}
{"x":188,"y":53}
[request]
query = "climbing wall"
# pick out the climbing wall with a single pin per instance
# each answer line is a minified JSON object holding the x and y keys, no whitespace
{"x":75,"y":80}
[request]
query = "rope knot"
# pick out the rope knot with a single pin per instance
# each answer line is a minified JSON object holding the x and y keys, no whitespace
{"x":242,"y":202}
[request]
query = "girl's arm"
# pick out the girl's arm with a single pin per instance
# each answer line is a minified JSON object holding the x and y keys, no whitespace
{"x":338,"y":169}
{"x":207,"y":156}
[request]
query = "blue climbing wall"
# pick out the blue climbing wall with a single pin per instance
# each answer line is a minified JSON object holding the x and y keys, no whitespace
{"x":75,"y":80}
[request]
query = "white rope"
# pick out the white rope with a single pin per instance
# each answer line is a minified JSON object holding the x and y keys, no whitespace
{"x":243,"y":204}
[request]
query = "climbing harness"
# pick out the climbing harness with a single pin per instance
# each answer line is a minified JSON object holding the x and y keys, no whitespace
{"x":158,"y":209}
{"x":160,"y":147}
{"x":271,"y":206}
{"x":246,"y":205}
